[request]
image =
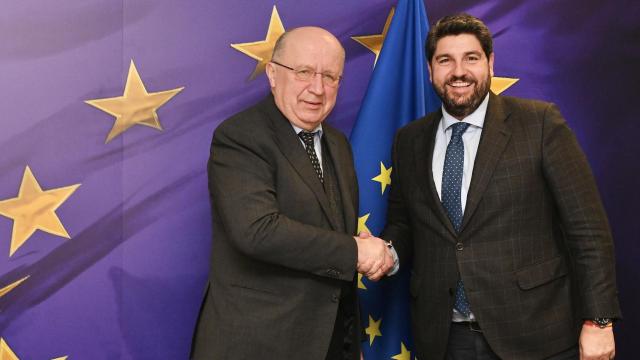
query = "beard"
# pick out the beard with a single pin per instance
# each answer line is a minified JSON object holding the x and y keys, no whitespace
{"x":461,"y":106}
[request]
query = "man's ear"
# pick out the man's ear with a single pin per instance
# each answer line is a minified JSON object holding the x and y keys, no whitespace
{"x":491,"y":65}
{"x":429,"y":68}
{"x":271,"y":74}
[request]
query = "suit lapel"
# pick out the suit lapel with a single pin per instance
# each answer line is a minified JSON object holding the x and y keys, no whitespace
{"x":424,"y":144}
{"x":293,"y":150}
{"x":494,"y":139}
{"x":339,"y":157}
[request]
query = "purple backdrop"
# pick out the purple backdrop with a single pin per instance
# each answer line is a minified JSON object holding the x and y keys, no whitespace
{"x":127,"y":285}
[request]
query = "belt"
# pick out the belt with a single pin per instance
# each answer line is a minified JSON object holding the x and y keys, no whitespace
{"x":472,"y":325}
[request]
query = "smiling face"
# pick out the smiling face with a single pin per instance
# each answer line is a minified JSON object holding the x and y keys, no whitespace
{"x":306,"y":103}
{"x":461,"y":73}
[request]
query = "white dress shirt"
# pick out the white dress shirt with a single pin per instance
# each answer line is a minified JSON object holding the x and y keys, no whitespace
{"x":471,"y":140}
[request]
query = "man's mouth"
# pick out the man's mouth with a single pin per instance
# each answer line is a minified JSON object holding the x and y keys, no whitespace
{"x":459,"y":84}
{"x":313,"y":103}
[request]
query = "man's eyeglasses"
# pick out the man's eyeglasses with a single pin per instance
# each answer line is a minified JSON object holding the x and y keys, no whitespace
{"x":306,"y":74}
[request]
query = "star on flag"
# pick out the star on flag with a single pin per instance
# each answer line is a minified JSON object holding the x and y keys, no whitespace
{"x":261,"y":50}
{"x":7,"y":354}
{"x":362,"y":223}
{"x":135,"y":107}
{"x":375,"y":42}
{"x":34,"y":209}
{"x":404,"y":353}
{"x":384,"y":178}
{"x":373,"y":329}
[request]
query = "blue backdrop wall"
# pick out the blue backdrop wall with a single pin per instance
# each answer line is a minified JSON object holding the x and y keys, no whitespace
{"x":104,"y":245}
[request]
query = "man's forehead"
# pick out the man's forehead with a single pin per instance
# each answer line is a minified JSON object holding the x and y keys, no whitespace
{"x":310,"y":54}
{"x":459,"y":43}
{"x":313,"y":44}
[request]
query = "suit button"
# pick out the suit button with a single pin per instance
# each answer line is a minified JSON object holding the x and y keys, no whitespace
{"x":335,"y":297}
{"x":459,"y":246}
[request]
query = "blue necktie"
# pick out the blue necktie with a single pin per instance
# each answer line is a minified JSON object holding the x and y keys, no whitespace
{"x":451,"y":197}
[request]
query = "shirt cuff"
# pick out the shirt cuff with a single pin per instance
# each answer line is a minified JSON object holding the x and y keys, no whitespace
{"x":396,"y":261}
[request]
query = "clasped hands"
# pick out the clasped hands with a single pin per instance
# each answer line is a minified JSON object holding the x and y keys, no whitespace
{"x":375,"y":259}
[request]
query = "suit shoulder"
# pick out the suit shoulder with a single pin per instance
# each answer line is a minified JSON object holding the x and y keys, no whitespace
{"x":334,"y":132}
{"x":416,"y":127}
{"x":529,"y":106}
{"x":248,"y":118}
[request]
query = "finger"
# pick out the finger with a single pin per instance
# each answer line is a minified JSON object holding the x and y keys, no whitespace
{"x":376,"y":266}
{"x":364,"y":267}
{"x":377,"y":275}
{"x":364,"y":234}
{"x":389,"y":261}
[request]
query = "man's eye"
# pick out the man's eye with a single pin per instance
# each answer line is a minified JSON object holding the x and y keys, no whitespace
{"x":304,"y":72}
{"x":443,"y":61}
{"x":329,"y":77}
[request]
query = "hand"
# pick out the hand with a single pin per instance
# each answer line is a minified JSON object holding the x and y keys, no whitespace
{"x":596,"y":343}
{"x":374,"y":257}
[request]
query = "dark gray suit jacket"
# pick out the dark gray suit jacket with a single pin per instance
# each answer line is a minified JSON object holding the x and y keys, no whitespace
{"x":277,"y":264}
{"x":535,"y":251}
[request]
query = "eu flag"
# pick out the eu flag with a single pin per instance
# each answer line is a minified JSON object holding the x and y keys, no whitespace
{"x":399,"y":92}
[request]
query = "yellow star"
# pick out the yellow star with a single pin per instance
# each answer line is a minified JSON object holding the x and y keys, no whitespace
{"x":384,"y":178}
{"x":135,"y":107}
{"x":5,"y":351}
{"x":375,"y":42}
{"x":7,"y":354}
{"x":262,"y":50}
{"x":373,"y":330}
{"x":404,"y":353}
{"x":360,"y":283}
{"x":34,"y":209}
{"x":362,"y":223}
{"x":500,"y":84}
{"x":5,"y":290}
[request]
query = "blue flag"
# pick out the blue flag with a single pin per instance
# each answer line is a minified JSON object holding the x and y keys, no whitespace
{"x":399,"y":92}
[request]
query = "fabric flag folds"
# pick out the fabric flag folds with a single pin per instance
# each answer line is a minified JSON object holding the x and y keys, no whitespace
{"x":399,"y":92}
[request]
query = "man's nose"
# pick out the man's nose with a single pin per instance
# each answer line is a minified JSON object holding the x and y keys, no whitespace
{"x":316,"y":86}
{"x":459,"y":69}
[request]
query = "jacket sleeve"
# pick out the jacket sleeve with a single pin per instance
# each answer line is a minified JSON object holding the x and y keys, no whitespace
{"x":243,"y":195}
{"x":398,"y":227}
{"x":584,"y":221}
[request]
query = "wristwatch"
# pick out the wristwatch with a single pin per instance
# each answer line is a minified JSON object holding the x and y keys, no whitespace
{"x":601,"y":322}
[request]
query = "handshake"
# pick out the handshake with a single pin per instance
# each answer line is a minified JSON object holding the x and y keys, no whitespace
{"x":375,"y":258}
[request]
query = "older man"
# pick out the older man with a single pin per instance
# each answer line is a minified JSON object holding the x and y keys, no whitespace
{"x":284,"y":202}
{"x":494,"y":200}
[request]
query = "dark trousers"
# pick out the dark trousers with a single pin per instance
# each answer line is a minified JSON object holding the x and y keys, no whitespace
{"x":468,"y":343}
{"x":342,"y":346}
{"x":345,"y":338}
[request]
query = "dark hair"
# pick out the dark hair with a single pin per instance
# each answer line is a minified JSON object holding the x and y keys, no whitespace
{"x":456,"y":25}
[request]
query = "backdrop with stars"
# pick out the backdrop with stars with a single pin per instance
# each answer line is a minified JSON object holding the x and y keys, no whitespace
{"x":106,"y":117}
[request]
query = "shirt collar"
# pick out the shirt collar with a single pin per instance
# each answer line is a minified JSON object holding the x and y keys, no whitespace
{"x":476,"y":118}
{"x":318,"y":129}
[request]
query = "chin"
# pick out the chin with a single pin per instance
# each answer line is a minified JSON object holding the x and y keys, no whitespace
{"x":311,"y":119}
{"x":460,"y":101}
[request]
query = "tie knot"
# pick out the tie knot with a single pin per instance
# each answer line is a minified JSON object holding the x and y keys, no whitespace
{"x":458,"y":129}
{"x":307,"y":137}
